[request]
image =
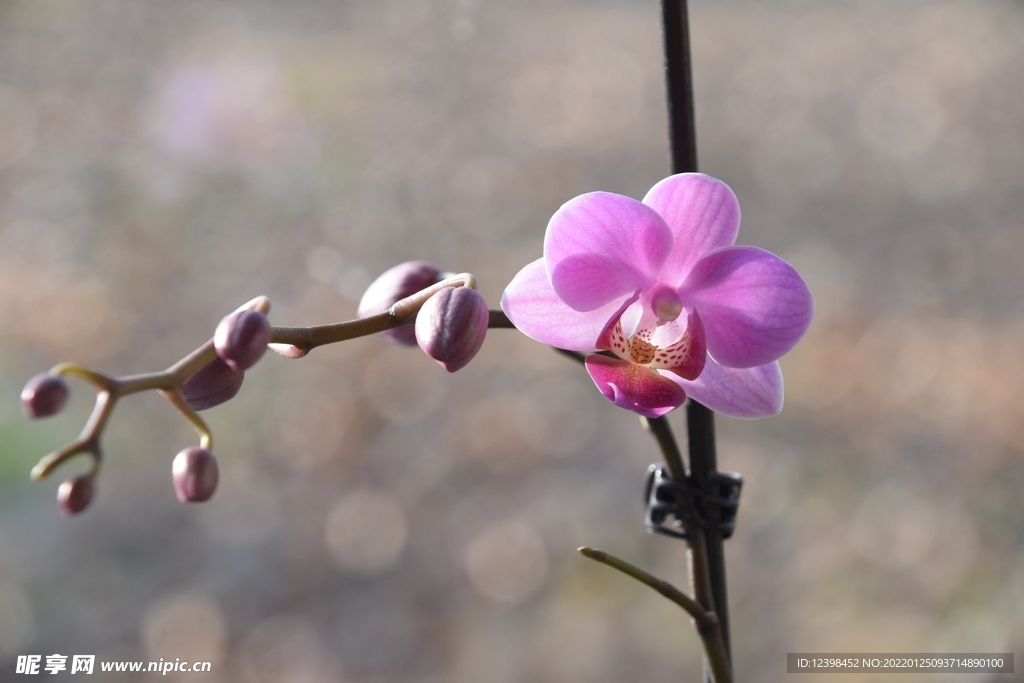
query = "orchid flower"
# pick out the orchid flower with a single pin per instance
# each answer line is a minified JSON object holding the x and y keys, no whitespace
{"x":660,"y":288}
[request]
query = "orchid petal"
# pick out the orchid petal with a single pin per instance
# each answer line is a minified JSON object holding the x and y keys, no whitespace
{"x":532,"y":305}
{"x":747,"y":393}
{"x":601,"y":246}
{"x":754,"y":305}
{"x":612,"y":337}
{"x":634,"y":387}
{"x":702,"y":213}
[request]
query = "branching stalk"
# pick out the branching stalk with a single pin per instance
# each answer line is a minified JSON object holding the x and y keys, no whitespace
{"x":293,"y":342}
{"x":705,"y":622}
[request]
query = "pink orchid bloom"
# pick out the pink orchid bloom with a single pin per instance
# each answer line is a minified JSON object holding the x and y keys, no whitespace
{"x":660,"y":285}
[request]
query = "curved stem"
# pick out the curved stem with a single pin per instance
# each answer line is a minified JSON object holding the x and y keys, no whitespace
{"x":100,"y":382}
{"x":700,"y":575}
{"x":44,"y":467}
{"x":705,"y":621}
{"x":87,"y":442}
{"x":692,"y":607}
{"x":178,"y":401}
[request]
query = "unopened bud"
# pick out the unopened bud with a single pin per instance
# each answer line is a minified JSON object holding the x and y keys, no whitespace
{"x":241,"y":339}
{"x":452,"y":325}
{"x":393,"y":285}
{"x":74,"y":494}
{"x":212,"y":385}
{"x":195,"y":475}
{"x":44,"y":395}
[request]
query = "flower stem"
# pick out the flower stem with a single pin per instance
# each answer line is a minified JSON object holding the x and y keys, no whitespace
{"x":703,"y":462}
{"x":294,"y":342}
{"x":683,"y":141}
{"x":682,"y":127}
{"x":89,"y":440}
{"x":705,"y":621}
{"x":700,"y":574}
{"x":179,"y":402}
{"x":662,"y":433}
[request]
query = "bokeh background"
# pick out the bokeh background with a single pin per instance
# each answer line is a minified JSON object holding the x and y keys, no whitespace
{"x":381,"y":521}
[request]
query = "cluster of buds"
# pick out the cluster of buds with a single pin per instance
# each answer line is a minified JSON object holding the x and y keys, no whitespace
{"x":451,"y":325}
{"x":43,"y":396}
{"x":239,"y":342}
{"x":412,"y":303}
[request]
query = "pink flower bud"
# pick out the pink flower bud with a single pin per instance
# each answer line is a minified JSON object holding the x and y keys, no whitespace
{"x":74,"y":494}
{"x":44,"y":395}
{"x":214,"y":384}
{"x":241,"y":339}
{"x":452,"y":325}
{"x":393,"y":285}
{"x":195,"y":475}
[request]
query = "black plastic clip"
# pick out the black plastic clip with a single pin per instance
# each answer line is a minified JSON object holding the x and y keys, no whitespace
{"x":687,"y":505}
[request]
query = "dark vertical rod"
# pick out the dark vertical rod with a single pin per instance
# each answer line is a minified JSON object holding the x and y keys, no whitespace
{"x":683,"y":138}
{"x":700,"y":428}
{"x":682,"y":130}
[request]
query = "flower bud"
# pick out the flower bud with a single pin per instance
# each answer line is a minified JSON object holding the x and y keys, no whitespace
{"x":393,"y":285}
{"x":212,"y":385}
{"x":452,"y":325}
{"x":195,"y":475}
{"x":74,"y":494}
{"x":44,"y":395}
{"x":241,"y":339}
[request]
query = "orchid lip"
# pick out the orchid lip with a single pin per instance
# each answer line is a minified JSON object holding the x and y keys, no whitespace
{"x":684,"y":357}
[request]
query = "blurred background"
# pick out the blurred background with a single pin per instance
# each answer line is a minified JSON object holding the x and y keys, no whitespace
{"x":381,"y":521}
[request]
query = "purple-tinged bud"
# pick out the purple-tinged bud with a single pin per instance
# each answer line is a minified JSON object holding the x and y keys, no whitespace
{"x":241,"y":339}
{"x":44,"y":395}
{"x":195,"y":475}
{"x":452,"y":325}
{"x":393,"y":285}
{"x":74,"y":494}
{"x":212,"y":385}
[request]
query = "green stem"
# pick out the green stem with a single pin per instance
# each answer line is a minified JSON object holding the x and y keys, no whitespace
{"x":662,"y":433}
{"x":178,"y":401}
{"x":705,"y":621}
{"x":700,"y":572}
{"x":87,"y":442}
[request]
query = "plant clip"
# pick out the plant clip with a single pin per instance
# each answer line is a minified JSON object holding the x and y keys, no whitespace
{"x":688,"y":505}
